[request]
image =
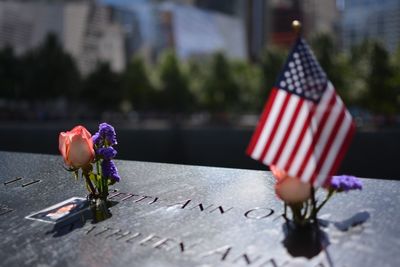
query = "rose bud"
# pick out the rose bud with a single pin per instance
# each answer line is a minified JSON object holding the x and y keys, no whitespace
{"x":76,"y":147}
{"x":290,"y":189}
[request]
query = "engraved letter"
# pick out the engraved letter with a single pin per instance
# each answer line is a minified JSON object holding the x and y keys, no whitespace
{"x":118,"y":234}
{"x":223,"y":251}
{"x":154,"y":201}
{"x":267,"y":212}
{"x":246,"y":259}
{"x":106,"y":229}
{"x":221,"y":209}
{"x":150,"y":238}
{"x":142,"y":198}
{"x":270,"y":262}
{"x":164,"y":243}
{"x":183,"y":248}
{"x":201,"y":207}
{"x":184,"y":204}
{"x":90,"y":230}
{"x":133,"y":237}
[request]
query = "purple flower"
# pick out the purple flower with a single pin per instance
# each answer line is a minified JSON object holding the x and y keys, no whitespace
{"x":107,"y":132}
{"x":109,"y":170}
{"x":345,"y":183}
{"x":105,"y":135}
{"x":97,"y":140}
{"x":106,"y":153}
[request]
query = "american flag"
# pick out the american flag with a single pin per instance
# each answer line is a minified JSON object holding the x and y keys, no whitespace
{"x":305,"y":128}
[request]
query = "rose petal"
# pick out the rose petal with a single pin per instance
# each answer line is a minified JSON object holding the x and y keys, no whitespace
{"x":80,"y":153}
{"x":292,"y":190}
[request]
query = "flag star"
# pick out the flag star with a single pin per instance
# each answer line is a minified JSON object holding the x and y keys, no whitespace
{"x":282,"y":84}
{"x":288,"y":80}
{"x":291,"y":64}
{"x":287,"y":74}
{"x":290,"y":87}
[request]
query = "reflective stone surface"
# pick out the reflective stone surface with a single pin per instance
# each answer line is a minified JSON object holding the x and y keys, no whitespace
{"x":175,"y":215}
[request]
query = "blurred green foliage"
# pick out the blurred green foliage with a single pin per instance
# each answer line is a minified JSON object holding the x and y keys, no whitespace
{"x":367,"y":77}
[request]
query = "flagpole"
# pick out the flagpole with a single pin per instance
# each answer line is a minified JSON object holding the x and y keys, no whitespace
{"x":296,"y":26}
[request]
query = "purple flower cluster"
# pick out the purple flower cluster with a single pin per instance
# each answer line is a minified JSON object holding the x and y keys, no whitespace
{"x":105,"y":136}
{"x":103,"y":140}
{"x":345,"y":183}
{"x":109,"y":170}
{"x":106,"y":153}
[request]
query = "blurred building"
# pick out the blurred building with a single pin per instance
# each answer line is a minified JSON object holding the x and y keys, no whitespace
{"x":191,"y":28}
{"x":194,"y":32}
{"x":320,"y":16}
{"x":370,"y":19}
{"x":87,"y":30}
{"x":317,"y":16}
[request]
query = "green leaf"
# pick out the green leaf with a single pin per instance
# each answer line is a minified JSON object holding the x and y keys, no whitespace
{"x":76,"y":175}
{"x":94,"y":178}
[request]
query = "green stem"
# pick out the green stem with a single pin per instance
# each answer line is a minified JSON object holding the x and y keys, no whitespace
{"x":317,"y":209}
{"x":98,"y":169}
{"x":89,"y":184}
{"x":296,"y":211}
{"x":304,"y":216}
{"x":313,"y":214}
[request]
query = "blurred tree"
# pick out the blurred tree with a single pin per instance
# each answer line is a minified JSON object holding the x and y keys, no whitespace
{"x":271,"y":63}
{"x":196,"y":72}
{"x":220,"y":87}
{"x":174,"y":86}
{"x":335,"y":64}
{"x":102,"y":88}
{"x":10,"y":74}
{"x":248,"y":77}
{"x":396,"y":78}
{"x":359,"y":62}
{"x":381,"y":96}
{"x":49,"y":72}
{"x":136,"y":86}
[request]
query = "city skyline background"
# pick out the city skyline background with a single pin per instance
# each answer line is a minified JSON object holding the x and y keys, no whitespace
{"x":192,"y":74}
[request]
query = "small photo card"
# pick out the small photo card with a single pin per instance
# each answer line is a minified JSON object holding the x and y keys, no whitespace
{"x":61,"y":211}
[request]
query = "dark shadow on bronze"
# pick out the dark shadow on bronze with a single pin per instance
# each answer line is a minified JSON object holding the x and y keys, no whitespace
{"x":93,"y":214}
{"x":355,"y":220}
{"x":309,"y":240}
{"x":304,"y":240}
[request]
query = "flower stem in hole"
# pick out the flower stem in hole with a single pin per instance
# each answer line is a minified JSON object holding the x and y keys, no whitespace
{"x":90,"y":185}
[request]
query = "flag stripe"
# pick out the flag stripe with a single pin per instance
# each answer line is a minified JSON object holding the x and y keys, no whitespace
{"x":303,"y":138}
{"x":261,"y":123}
{"x":265,"y":133}
{"x":305,"y":155}
{"x":294,"y":135}
{"x":289,"y":130}
{"x":283,"y":127}
{"x":328,"y":147}
{"x":309,"y":167}
{"x":326,"y":165}
{"x":343,"y":148}
{"x":276,"y":124}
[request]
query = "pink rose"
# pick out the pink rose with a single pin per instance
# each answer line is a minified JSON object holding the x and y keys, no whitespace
{"x":290,"y":189}
{"x":76,"y":147}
